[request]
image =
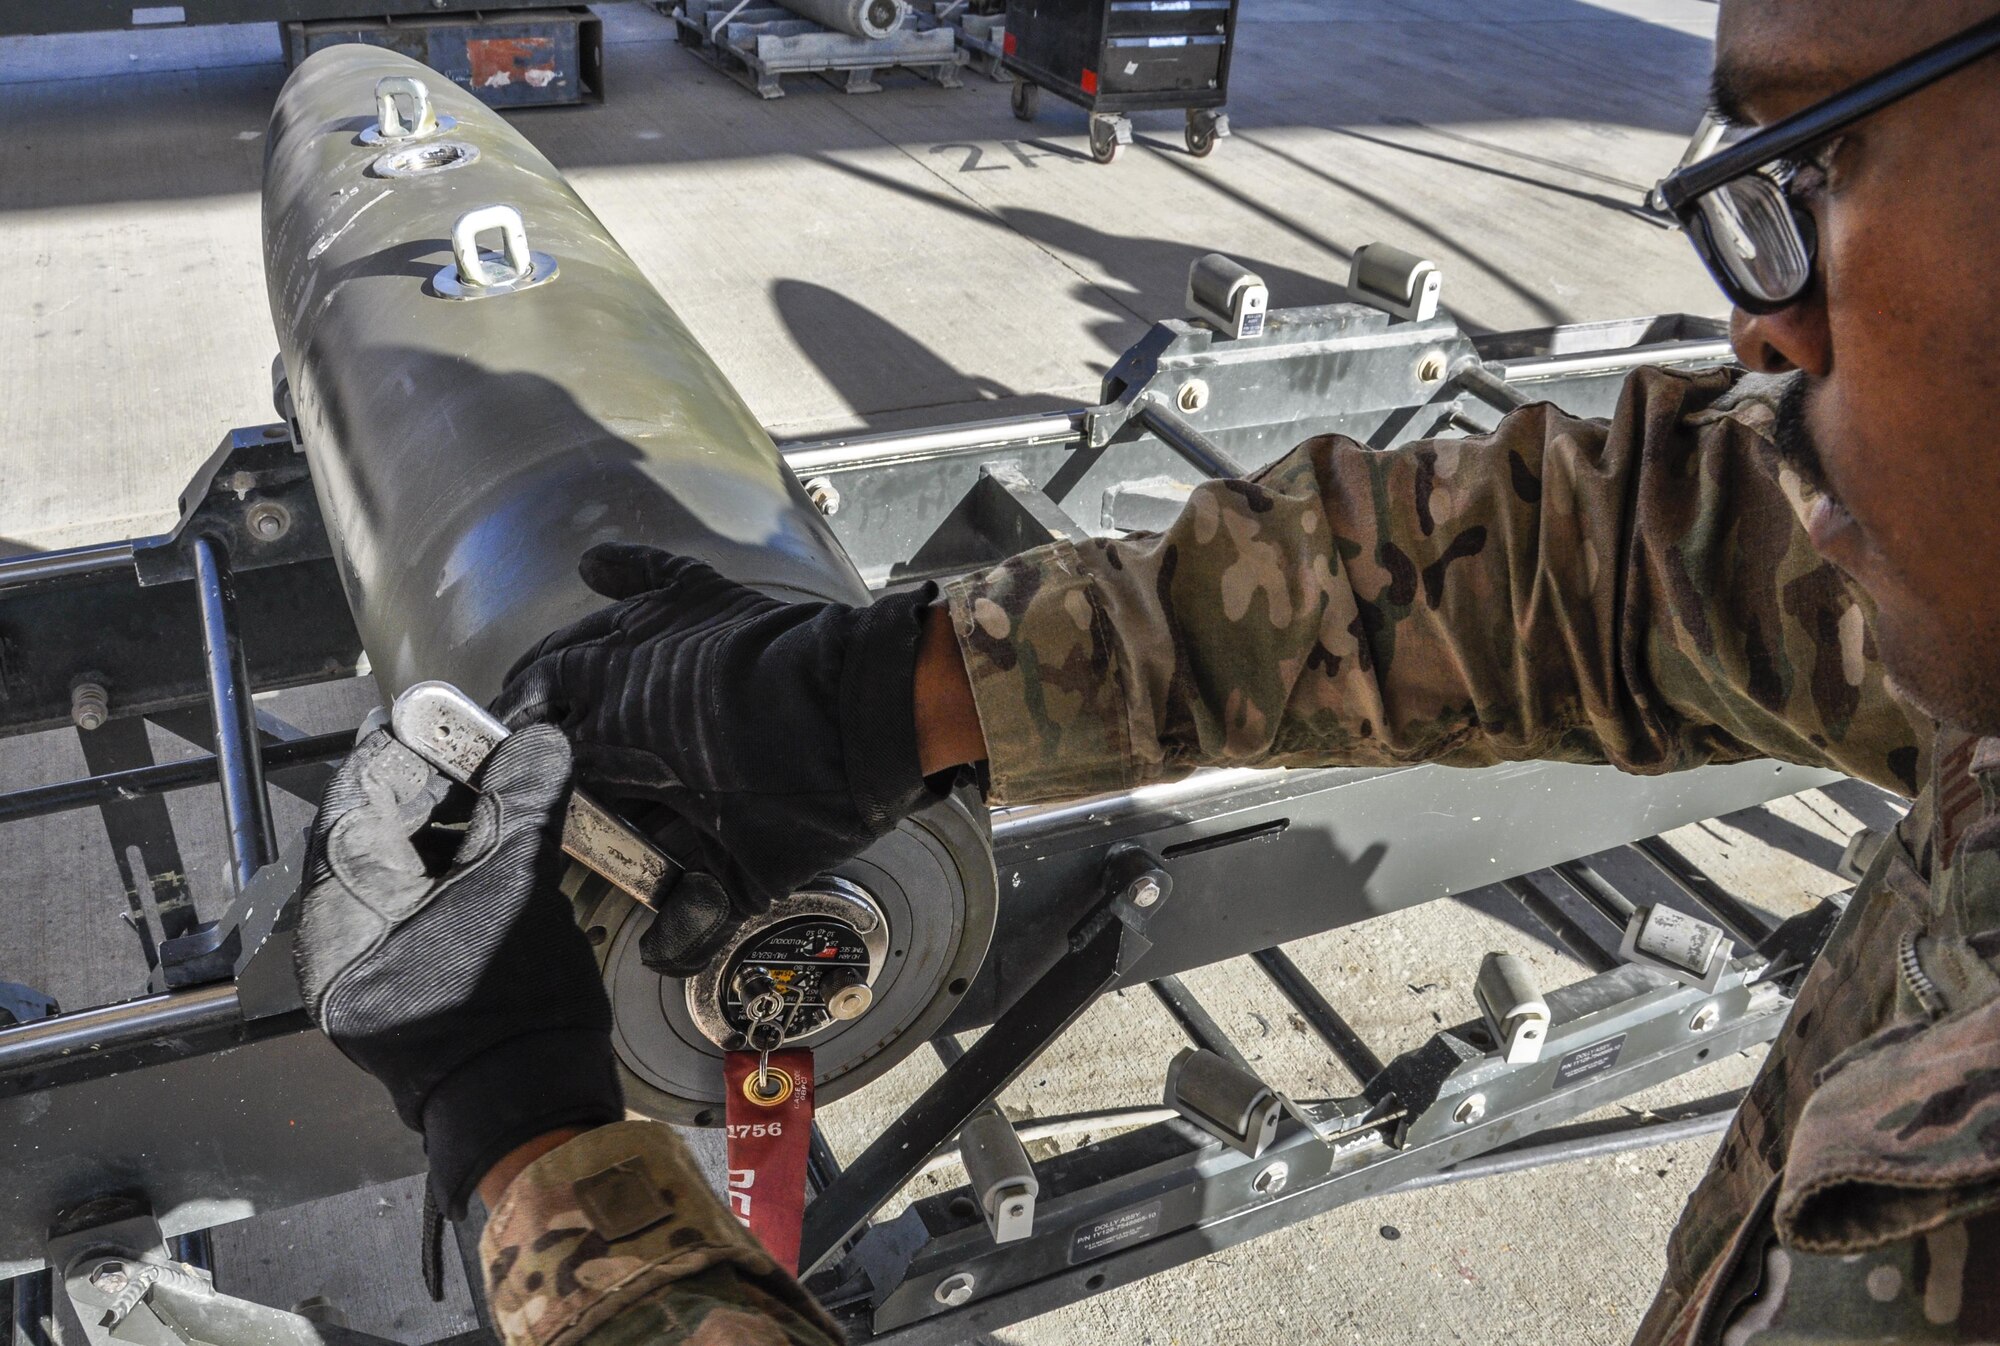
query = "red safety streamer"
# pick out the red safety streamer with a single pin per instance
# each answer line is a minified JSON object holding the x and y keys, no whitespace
{"x":768,"y":1136}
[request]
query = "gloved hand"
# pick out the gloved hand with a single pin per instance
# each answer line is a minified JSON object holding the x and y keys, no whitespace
{"x":445,"y":962}
{"x":781,"y":737}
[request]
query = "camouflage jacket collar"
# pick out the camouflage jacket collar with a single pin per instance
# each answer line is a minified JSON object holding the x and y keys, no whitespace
{"x":1960,"y":805}
{"x":1902,"y":1132}
{"x":1914,"y":1141}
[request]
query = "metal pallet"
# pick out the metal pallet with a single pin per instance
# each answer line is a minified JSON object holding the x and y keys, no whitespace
{"x":758,"y":45}
{"x":980,"y":36}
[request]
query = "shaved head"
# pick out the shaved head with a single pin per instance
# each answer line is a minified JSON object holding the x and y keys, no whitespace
{"x":1897,"y":343}
{"x":1773,"y":57}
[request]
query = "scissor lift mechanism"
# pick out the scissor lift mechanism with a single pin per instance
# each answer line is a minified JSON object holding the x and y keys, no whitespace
{"x":1223,"y":1159}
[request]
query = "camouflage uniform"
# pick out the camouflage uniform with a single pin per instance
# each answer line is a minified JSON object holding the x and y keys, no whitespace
{"x":1638,"y":592}
{"x":614,"y":1239}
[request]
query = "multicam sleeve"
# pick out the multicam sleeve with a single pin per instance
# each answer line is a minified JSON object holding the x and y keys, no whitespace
{"x":614,"y":1239}
{"x":1637,"y":591}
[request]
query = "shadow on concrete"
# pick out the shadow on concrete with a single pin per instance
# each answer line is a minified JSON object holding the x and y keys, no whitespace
{"x":1544,"y":311}
{"x":1496,"y":903}
{"x":169,"y":134}
{"x":1625,"y":198}
{"x":1763,"y":825}
{"x":1145,"y":278}
{"x":872,"y":363}
{"x":1874,"y":806}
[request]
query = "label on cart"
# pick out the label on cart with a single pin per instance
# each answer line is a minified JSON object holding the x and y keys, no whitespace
{"x":1584,"y":1062}
{"x":1099,"y":1237}
{"x":1166,"y":42}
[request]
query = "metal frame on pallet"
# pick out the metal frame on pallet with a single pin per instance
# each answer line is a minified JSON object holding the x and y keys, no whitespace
{"x":980,"y":35}
{"x":757,"y":45}
{"x":210,"y":1085}
{"x":1168,"y":1192}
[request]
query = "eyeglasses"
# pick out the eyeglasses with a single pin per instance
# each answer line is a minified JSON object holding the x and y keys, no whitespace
{"x":1737,"y":206}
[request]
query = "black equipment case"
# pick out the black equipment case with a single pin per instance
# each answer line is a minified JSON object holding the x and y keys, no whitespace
{"x":1111,"y":57}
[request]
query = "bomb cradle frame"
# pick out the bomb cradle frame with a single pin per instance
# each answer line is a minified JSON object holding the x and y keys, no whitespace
{"x":206,"y":1100}
{"x":1156,"y":1196}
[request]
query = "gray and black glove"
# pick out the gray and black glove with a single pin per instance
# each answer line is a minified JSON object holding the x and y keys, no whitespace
{"x":780,"y":737}
{"x":436,"y":952}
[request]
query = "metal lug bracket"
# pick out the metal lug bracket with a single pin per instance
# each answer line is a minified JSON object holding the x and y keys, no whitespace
{"x":24,"y":1004}
{"x":392,"y":93}
{"x":1002,"y":514}
{"x":477,"y":275}
{"x":128,"y":1290}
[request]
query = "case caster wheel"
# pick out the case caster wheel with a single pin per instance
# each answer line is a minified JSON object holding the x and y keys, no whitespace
{"x":1027,"y":98}
{"x":1108,"y":136}
{"x":1203,"y":130}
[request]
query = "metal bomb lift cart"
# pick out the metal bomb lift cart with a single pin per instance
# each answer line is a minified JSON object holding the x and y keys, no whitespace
{"x":198,"y":1095}
{"x":1113,"y":57}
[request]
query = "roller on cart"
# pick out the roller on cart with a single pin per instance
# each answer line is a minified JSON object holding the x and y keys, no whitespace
{"x":1114,"y":57}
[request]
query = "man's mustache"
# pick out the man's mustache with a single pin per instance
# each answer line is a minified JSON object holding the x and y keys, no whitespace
{"x":1793,"y":437}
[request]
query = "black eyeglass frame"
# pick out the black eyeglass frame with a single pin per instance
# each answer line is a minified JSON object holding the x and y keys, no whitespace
{"x":1681,"y":193}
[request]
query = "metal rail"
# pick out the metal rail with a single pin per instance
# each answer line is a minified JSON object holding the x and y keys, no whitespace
{"x":18,"y":572}
{"x":246,"y":808}
{"x":1195,"y":1020}
{"x":164,"y":777}
{"x":1593,"y":888}
{"x":1339,"y":1036}
{"x":1206,"y":456}
{"x":1001,"y":1053}
{"x":47,"y":1042}
{"x":1585,"y":1140}
{"x":1028,"y":824}
{"x":808,"y":456}
{"x":1566,"y":929}
{"x":1142,"y":1202}
{"x":1603,"y":362}
{"x":844,"y":452}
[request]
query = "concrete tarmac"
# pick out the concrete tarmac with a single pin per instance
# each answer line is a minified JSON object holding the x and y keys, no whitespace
{"x":911,"y":257}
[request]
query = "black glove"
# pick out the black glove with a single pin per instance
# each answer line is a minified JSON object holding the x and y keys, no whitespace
{"x":781,"y":737}
{"x":436,"y":952}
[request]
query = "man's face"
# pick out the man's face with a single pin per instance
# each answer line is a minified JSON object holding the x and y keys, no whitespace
{"x":1899,"y":341}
